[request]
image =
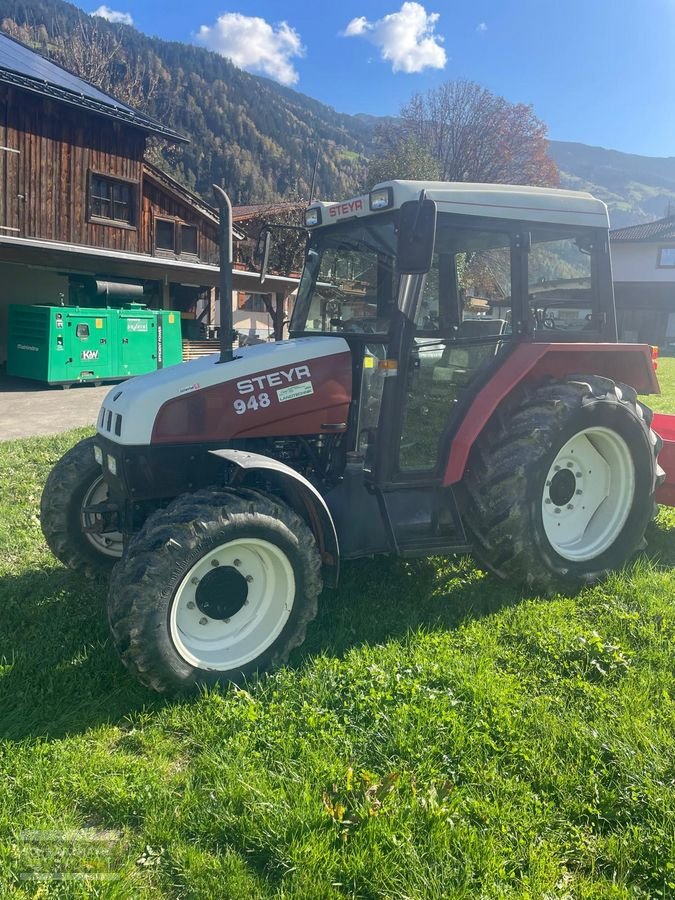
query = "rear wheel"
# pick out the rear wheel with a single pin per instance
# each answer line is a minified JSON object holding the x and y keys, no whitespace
{"x":74,"y":486}
{"x":214,"y":588}
{"x":562,"y":487}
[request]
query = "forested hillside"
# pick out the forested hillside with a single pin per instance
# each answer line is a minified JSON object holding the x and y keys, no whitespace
{"x":635,"y":188}
{"x":249,"y":133}
{"x":260,"y":139}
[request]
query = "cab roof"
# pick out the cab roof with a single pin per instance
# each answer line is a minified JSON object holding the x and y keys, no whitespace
{"x":500,"y":201}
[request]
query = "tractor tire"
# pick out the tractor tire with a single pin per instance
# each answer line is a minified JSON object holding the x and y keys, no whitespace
{"x":76,"y":481}
{"x":214,"y":588}
{"x":561,"y":485}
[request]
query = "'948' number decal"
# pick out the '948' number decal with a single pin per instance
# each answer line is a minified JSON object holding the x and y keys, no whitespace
{"x":262,"y":401}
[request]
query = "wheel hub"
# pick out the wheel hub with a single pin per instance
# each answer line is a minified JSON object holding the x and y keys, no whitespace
{"x":221,"y":593}
{"x":562,"y":487}
{"x":232,"y":603}
{"x":588,"y":494}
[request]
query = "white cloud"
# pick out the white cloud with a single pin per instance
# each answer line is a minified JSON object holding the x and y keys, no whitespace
{"x":252,"y":43}
{"x":406,"y":38}
{"x":113,"y":15}
{"x":481,"y":27}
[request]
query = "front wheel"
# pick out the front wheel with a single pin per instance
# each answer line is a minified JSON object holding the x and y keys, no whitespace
{"x":68,"y":517}
{"x":562,"y":488}
{"x":214,"y":588}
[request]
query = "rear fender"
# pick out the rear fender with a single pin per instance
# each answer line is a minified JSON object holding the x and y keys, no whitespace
{"x":302,"y":496}
{"x":534,"y":362}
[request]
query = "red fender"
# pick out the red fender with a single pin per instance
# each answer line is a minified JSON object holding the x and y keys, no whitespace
{"x":629,"y":363}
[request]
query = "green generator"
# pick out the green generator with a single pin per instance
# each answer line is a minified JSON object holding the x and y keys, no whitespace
{"x":67,"y":344}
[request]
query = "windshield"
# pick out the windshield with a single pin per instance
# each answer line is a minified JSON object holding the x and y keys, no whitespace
{"x":347,"y":284}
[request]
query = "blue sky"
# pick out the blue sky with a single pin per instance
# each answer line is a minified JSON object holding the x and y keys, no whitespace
{"x":597,"y":71}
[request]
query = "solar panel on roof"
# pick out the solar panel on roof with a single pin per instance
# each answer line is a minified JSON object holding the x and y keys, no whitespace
{"x":20,"y":65}
{"x":17,"y":58}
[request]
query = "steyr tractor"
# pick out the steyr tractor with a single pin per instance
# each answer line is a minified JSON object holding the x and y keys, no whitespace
{"x":452,"y":383}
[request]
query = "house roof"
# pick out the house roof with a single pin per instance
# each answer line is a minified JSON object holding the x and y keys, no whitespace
{"x":241,"y":213}
{"x":660,"y":230}
{"x":22,"y":67}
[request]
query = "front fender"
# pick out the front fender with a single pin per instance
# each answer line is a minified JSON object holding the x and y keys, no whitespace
{"x":302,"y":496}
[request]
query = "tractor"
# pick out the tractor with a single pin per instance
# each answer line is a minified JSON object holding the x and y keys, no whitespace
{"x":452,"y":383}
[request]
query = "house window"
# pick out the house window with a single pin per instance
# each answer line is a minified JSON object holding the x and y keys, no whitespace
{"x":666,"y":258}
{"x":112,"y":200}
{"x":252,"y":303}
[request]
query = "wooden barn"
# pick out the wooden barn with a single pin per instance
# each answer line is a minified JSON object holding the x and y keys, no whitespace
{"x":83,"y":215}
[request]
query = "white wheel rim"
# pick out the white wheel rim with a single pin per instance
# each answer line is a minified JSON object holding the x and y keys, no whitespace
{"x":109,"y":543}
{"x":588,"y":494}
{"x":223,"y":643}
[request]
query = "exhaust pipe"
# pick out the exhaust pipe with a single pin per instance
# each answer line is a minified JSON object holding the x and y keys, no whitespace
{"x":225,"y":239}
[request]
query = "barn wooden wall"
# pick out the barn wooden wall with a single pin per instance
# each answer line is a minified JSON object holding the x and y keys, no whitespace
{"x":44,"y":186}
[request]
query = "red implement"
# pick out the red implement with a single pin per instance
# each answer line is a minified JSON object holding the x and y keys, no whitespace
{"x":664,"y":426}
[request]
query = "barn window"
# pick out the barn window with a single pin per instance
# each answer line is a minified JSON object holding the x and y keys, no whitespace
{"x":188,"y":239}
{"x":165,"y":235}
{"x":173,"y":236}
{"x":112,"y":200}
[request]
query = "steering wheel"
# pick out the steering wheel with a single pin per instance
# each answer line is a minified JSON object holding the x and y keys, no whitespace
{"x":356,"y":326}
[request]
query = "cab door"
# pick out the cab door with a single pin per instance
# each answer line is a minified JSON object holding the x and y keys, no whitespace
{"x":462,"y":327}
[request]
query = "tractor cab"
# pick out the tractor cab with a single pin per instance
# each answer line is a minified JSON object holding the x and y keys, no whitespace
{"x":432,"y":286}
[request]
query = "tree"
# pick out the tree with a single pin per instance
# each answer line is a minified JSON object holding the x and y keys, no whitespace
{"x":404,"y":158}
{"x":470,"y":134}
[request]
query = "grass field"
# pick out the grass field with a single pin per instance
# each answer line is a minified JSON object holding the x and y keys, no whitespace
{"x":439,"y":735}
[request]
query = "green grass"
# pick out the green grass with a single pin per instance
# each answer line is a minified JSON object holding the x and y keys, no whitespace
{"x":439,"y":735}
{"x":665,"y":401}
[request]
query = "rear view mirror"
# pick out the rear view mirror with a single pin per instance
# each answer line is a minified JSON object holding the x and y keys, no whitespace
{"x":416,"y":236}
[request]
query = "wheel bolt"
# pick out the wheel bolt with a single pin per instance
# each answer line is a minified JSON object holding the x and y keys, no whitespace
{"x":203,"y":621}
{"x":569,"y":465}
{"x":569,"y":506}
{"x":557,"y":510}
{"x":214,"y":562}
{"x":190,"y":604}
{"x":226,"y":620}
{"x":547,"y":500}
{"x":249,"y":578}
{"x":579,"y":493}
{"x":556,"y":468}
{"x":195,"y":580}
{"x":578,"y":474}
{"x":237,"y":562}
{"x":548,"y":484}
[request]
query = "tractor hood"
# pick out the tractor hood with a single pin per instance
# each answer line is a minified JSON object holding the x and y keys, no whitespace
{"x":300,"y":386}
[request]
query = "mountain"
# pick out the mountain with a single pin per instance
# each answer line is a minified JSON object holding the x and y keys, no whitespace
{"x":635,"y":188}
{"x":260,"y":138}
{"x":255,"y":136}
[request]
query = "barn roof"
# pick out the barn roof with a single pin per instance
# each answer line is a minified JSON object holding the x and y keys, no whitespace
{"x":22,"y":67}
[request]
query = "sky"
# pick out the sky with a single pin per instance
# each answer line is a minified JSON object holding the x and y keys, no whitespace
{"x":601,"y":72}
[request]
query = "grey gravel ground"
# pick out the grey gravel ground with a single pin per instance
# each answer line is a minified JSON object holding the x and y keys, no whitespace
{"x":30,"y":408}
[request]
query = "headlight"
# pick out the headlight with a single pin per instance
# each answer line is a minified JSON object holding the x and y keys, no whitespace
{"x":312,"y":217}
{"x":382,"y":198}
{"x":112,"y":465}
{"x":98,"y":455}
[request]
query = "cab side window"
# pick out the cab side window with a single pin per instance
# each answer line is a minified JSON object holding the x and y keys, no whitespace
{"x":560,"y":282}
